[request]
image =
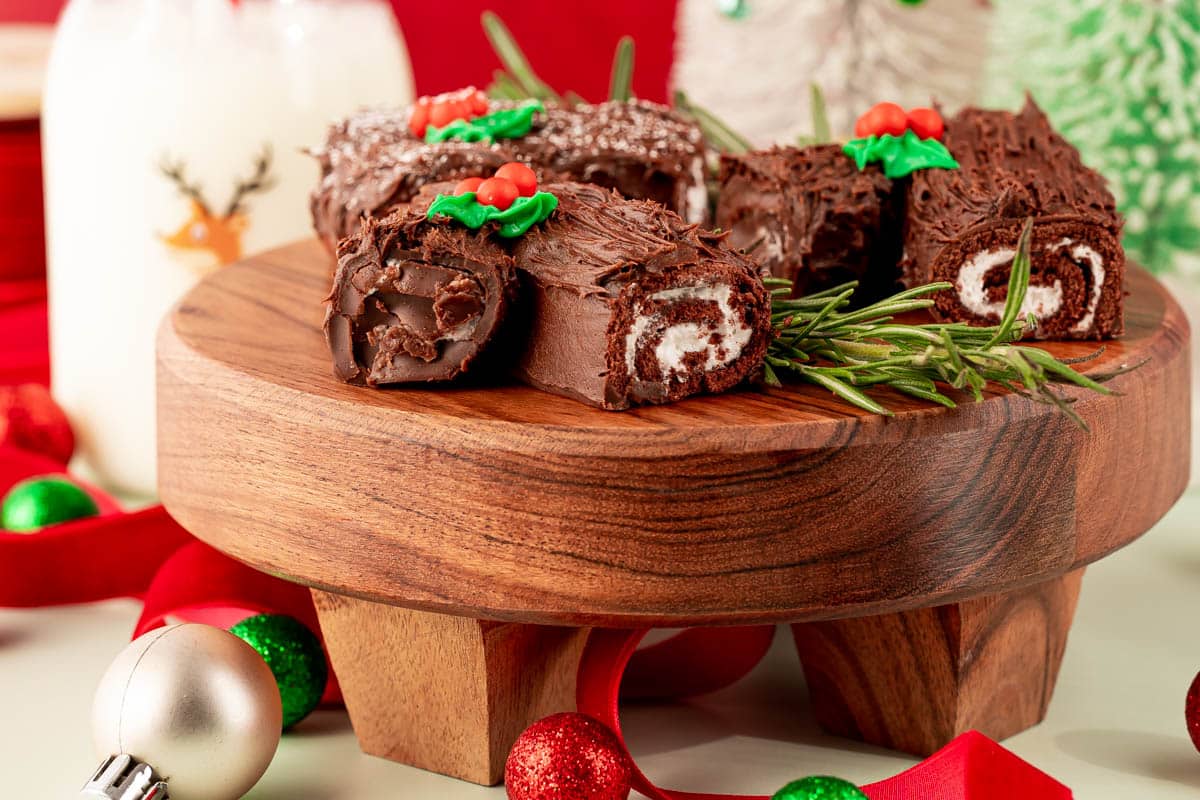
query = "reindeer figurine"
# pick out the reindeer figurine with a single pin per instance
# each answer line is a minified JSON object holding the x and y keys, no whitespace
{"x":221,"y":234}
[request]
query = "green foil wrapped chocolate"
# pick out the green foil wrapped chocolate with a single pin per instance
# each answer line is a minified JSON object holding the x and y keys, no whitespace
{"x":295,"y":657}
{"x":36,"y":503}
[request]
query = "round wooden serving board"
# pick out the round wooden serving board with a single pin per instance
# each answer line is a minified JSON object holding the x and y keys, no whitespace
{"x":505,"y":503}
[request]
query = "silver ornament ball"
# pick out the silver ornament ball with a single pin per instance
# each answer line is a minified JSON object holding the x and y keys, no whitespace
{"x":195,"y":702}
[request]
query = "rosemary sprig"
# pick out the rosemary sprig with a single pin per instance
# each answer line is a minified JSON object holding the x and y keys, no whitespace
{"x":719,"y":135}
{"x":514,"y":61}
{"x":847,"y":351}
{"x":820,"y":119}
{"x":621,"y":84}
{"x":822,"y":133}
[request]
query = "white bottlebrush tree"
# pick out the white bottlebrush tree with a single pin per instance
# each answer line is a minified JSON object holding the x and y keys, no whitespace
{"x":1121,"y":80}
{"x":753,"y":66}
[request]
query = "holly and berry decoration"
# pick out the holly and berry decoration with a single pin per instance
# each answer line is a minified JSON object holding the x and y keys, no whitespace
{"x":440,"y":110}
{"x":567,"y":757}
{"x":509,"y":198}
{"x":464,"y":116}
{"x":902,"y":141}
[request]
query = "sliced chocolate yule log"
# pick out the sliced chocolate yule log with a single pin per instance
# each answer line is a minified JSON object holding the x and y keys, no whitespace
{"x":377,"y":159}
{"x":962,"y":226}
{"x":809,"y":215}
{"x":628,"y":304}
{"x":415,"y":301}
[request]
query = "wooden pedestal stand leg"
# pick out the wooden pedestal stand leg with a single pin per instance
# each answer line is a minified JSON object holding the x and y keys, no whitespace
{"x":446,"y":694}
{"x":915,"y":680}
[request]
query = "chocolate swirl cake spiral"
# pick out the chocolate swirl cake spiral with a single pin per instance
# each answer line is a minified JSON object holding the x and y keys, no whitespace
{"x":962,"y":226}
{"x":631,"y":305}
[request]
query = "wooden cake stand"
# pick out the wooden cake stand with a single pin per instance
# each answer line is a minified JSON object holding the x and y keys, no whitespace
{"x":460,"y":541}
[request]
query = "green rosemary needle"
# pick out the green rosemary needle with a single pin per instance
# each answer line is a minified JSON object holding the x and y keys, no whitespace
{"x":847,"y":351}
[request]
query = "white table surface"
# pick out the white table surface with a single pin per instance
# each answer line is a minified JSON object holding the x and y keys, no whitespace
{"x":1115,"y":728}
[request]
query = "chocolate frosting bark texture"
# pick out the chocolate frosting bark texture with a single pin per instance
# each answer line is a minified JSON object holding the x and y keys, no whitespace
{"x":962,"y":226}
{"x":643,"y":150}
{"x":809,"y":215}
{"x":629,"y":304}
{"x":371,"y":162}
{"x":415,"y":301}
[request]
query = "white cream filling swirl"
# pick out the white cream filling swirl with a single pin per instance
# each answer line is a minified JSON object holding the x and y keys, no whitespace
{"x":1041,"y":301}
{"x":683,"y":338}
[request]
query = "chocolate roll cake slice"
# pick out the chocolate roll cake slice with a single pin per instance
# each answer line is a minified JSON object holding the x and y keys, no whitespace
{"x":962,"y":226}
{"x":415,"y":301}
{"x":372,"y":162}
{"x":644,"y":150}
{"x":630,"y":305}
{"x":809,"y":215}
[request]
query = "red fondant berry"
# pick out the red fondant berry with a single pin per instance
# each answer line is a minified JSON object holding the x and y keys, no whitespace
{"x":882,"y":118}
{"x":418,"y":119}
{"x":479,"y":102}
{"x":521,"y":176}
{"x":443,"y":113}
{"x":468,"y":185}
{"x":498,"y":192}
{"x":926,"y":123}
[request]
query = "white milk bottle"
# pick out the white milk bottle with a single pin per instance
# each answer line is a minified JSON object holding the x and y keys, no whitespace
{"x":172,"y":135}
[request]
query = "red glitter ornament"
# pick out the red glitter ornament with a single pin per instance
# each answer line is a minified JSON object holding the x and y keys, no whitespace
{"x":30,"y":420}
{"x":1192,"y":711}
{"x":567,"y":757}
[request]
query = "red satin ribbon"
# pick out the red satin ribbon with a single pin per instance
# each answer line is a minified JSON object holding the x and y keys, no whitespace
{"x":113,"y":555}
{"x":972,"y":767}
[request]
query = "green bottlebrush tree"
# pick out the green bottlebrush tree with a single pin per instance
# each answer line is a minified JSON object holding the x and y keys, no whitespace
{"x":1121,"y":80}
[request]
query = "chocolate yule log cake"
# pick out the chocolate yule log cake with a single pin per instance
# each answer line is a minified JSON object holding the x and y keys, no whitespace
{"x":809,"y":215}
{"x":628,"y":304}
{"x":377,"y":159}
{"x":415,"y":301}
{"x":962,"y":226}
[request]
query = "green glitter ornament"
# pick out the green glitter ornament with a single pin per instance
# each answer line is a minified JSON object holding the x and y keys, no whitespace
{"x":295,"y":657}
{"x":820,"y":787}
{"x":37,"y":502}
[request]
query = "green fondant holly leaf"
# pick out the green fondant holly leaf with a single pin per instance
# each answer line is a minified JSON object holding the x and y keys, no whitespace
{"x":900,"y":155}
{"x":523,"y":214}
{"x":507,"y":123}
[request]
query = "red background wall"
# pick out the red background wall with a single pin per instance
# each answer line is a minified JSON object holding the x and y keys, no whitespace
{"x":570,"y":44}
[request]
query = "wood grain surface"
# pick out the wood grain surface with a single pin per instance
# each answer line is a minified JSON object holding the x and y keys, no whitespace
{"x":915,"y":680}
{"x":446,"y":694}
{"x":502,"y":502}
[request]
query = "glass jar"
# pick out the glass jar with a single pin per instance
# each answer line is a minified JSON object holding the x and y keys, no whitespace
{"x":173,"y":137}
